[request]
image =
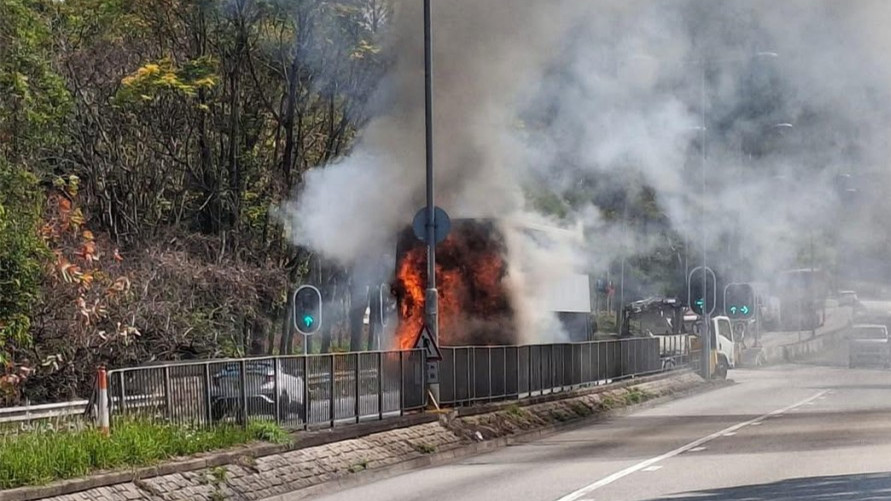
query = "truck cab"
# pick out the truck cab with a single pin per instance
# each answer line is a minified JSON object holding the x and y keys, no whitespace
{"x":724,"y":352}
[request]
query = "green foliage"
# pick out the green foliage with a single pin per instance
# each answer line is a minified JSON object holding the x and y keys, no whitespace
{"x":21,"y":252}
{"x":43,"y":456}
{"x":33,"y":97}
{"x":268,"y":431}
{"x":153,"y":80}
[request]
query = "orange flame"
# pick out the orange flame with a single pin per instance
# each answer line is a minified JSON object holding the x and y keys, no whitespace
{"x":473,"y":303}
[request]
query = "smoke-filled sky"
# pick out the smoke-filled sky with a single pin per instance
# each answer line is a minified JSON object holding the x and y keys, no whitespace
{"x":579,"y":98}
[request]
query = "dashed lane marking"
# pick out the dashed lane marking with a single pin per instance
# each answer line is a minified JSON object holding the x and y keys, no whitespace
{"x":578,"y":494}
{"x":652,"y":468}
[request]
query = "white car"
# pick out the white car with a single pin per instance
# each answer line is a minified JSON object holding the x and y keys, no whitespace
{"x":260,"y":390}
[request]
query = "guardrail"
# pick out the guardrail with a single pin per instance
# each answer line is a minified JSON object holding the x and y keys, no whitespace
{"x":343,"y":388}
{"x":486,"y":373}
{"x":42,"y":412}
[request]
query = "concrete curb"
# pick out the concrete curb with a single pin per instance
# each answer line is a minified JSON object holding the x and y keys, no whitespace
{"x":211,"y":459}
{"x":477,"y":448}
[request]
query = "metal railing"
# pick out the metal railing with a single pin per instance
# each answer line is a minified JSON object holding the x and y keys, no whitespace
{"x":42,"y":412}
{"x":485,"y":373}
{"x":295,"y":391}
{"x":327,"y":390}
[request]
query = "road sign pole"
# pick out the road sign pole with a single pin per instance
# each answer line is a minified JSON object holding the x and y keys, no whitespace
{"x":430,"y":300}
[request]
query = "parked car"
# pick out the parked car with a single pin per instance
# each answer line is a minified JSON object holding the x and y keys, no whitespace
{"x":261,"y":387}
{"x":869,"y":345}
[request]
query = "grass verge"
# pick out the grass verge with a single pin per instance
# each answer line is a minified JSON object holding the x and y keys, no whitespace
{"x":42,"y":456}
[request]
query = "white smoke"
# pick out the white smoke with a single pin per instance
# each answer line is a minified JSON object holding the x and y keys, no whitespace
{"x":584,"y":100}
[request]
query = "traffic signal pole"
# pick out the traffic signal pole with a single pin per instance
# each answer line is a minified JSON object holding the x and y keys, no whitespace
{"x":706,"y":337}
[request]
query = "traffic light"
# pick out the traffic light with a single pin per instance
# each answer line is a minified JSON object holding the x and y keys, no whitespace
{"x":701,"y":300}
{"x":739,"y":301}
{"x":307,"y":309}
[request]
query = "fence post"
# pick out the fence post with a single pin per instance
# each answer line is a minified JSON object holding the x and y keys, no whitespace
{"x":454,"y":376}
{"x":307,"y":405}
{"x":276,"y":391}
{"x":331,"y":398}
{"x":208,"y":406}
{"x":242,"y":389}
{"x":518,"y":371}
{"x":123,"y":393}
{"x":168,"y":398}
{"x":401,"y":384}
{"x":489,"y":390}
{"x":102,"y":411}
{"x":380,"y":385}
{"x":358,"y":385}
{"x":504,"y":371}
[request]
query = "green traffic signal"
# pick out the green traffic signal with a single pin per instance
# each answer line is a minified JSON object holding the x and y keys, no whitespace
{"x":307,"y":309}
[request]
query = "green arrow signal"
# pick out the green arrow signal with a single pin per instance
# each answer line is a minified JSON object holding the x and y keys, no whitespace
{"x":733,"y":310}
{"x":307,"y":320}
{"x":744,"y":310}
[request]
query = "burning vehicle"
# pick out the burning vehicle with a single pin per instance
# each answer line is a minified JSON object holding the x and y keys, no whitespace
{"x":475,"y":306}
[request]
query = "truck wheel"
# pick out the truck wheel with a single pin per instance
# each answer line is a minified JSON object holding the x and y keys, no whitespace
{"x":721,"y":369}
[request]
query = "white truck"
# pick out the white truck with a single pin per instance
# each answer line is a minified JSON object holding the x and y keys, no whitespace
{"x":724,"y":351}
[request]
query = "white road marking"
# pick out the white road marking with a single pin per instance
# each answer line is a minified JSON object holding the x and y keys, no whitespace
{"x":730,"y":434}
{"x":577,"y":495}
{"x":698,"y":449}
{"x":652,"y":468}
{"x":757,"y":423}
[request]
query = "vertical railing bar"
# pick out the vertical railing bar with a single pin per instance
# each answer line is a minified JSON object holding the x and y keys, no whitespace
{"x":489,"y":353}
{"x":358,"y":386}
{"x":401,"y":384}
{"x":380,"y":385}
{"x":276,"y":400}
{"x":243,"y":394}
{"x":123,"y":393}
{"x":307,"y":405}
{"x":331,"y":404}
{"x":454,"y":375}
{"x":208,"y":411}
{"x":504,"y":392}
{"x":167,"y":396}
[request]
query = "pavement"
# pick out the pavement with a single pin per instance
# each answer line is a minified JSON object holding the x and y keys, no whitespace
{"x":814,"y":431}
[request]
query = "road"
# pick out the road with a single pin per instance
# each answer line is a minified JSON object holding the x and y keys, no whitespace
{"x":791,"y":432}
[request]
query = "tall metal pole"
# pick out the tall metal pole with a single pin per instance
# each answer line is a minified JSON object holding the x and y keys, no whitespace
{"x":431,"y":300}
{"x":706,"y":336}
{"x":620,"y":313}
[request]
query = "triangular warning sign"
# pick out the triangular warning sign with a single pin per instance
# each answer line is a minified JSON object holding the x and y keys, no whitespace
{"x":425,"y":341}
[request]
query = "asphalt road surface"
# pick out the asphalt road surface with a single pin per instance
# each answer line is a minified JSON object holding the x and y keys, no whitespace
{"x":818,"y":431}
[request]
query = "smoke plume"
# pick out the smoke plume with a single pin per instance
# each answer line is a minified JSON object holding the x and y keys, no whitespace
{"x":736,"y":118}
